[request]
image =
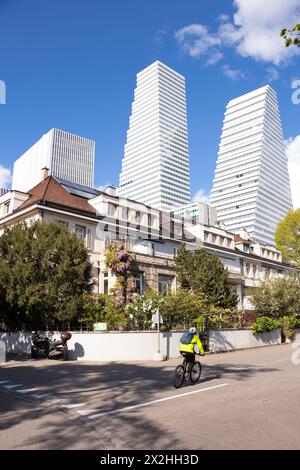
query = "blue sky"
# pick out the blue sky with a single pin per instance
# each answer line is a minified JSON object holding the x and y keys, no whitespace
{"x":72,"y":64}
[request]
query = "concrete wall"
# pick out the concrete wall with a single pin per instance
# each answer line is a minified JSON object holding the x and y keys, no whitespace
{"x":297,"y":334}
{"x":229,"y":340}
{"x":141,"y":346}
{"x":106,"y":346}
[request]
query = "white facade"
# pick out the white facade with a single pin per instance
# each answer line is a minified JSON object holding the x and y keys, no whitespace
{"x":155,"y":167}
{"x":251,"y":188}
{"x":66,"y":155}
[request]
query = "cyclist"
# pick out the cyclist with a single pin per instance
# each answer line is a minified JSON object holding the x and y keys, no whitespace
{"x":187,"y":349}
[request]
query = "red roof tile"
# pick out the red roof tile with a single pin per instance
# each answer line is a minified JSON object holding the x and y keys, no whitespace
{"x":49,"y":190}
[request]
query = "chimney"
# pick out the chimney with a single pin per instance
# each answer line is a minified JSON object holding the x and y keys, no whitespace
{"x":45,"y":173}
{"x":111,"y":190}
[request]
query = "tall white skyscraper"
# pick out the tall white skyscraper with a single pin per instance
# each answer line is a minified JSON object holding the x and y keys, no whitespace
{"x":251,"y":187}
{"x":155,"y":167}
{"x":66,"y":155}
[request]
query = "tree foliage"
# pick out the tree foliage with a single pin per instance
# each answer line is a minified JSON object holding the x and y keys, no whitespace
{"x":287,"y":237}
{"x":204,"y":273}
{"x":44,"y":270}
{"x":277,"y":297}
{"x":291,"y":36}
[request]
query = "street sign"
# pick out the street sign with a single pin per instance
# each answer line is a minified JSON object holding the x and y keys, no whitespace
{"x":2,"y":351}
{"x":100,"y":326}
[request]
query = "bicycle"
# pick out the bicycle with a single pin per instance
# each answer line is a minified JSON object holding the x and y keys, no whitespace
{"x":182,"y":373}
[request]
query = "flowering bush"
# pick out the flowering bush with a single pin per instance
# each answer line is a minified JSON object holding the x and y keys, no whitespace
{"x":120,"y":260}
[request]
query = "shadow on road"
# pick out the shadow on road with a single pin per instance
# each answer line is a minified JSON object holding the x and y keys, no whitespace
{"x":108,"y":387}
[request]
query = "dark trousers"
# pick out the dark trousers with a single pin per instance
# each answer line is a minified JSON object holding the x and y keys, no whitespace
{"x":190,"y":359}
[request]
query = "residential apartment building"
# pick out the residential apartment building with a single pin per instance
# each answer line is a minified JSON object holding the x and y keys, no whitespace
{"x":251,"y":188}
{"x":155,"y":167}
{"x":153,"y":236}
{"x":65,"y":155}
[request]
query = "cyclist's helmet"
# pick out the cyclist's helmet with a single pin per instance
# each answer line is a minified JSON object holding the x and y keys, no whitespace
{"x":193,"y":330}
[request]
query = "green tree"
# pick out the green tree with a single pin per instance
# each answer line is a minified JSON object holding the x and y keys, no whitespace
{"x":204,"y":273}
{"x":287,"y":237}
{"x":291,"y":36}
{"x":44,"y":270}
{"x":182,"y":309}
{"x":94,"y":307}
{"x":277,"y":297}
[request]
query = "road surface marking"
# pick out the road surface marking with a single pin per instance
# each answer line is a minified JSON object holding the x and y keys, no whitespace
{"x":9,"y":387}
{"x":74,"y":406}
{"x":4,"y":381}
{"x":41,"y":395}
{"x":128,"y":408}
{"x":86,"y":412}
{"x":26,"y":390}
{"x":52,"y":401}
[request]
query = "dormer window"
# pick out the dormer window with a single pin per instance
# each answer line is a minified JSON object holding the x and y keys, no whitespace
{"x":112,"y":209}
{"x":6,"y":207}
{"x":138,"y":217}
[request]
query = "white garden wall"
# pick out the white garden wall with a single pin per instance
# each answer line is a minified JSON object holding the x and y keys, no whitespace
{"x":141,"y":346}
{"x":105,"y":346}
{"x":229,"y":340}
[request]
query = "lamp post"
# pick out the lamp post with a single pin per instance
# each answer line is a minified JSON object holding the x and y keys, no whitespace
{"x":157,"y":319}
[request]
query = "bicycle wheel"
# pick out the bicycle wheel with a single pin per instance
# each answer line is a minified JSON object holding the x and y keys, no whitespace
{"x":178,"y":376}
{"x":195,"y":372}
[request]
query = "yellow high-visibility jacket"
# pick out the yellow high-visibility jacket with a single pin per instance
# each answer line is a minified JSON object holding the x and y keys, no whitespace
{"x":190,"y":347}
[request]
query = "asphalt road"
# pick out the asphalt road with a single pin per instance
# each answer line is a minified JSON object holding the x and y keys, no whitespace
{"x":244,"y":400}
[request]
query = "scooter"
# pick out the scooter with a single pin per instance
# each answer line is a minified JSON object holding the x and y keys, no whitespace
{"x":44,"y":347}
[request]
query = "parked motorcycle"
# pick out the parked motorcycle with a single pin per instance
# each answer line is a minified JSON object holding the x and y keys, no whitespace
{"x":44,"y":347}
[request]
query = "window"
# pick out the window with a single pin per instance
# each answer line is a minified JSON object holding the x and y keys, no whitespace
{"x":138,"y":217}
{"x":111,"y":209}
{"x":138,"y":280}
{"x":105,"y":283}
{"x":6,"y":207}
{"x":125,"y":213}
{"x":80,"y":232}
{"x":62,"y":222}
{"x":151,"y":220}
{"x":254,"y":270}
{"x":164,"y":284}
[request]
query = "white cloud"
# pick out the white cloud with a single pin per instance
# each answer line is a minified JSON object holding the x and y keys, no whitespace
{"x":201,"y":196}
{"x":195,"y":40}
{"x":272,"y":74}
{"x":5,"y":177}
{"x":254,"y":32}
{"x":257,"y":25}
{"x":232,"y":73}
{"x":214,"y":58}
{"x":293,"y":156}
{"x":159,"y":36}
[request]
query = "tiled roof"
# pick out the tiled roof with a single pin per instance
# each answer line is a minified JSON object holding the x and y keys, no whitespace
{"x":239,"y":239}
{"x":50,"y":191}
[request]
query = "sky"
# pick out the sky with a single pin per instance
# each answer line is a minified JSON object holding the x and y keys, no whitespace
{"x":72,"y":64}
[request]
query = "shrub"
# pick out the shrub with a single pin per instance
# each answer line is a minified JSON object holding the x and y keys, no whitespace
{"x":288,"y":325}
{"x":264,"y":324}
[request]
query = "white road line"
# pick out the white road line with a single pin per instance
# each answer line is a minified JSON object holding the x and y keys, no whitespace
{"x":128,"y":408}
{"x":26,"y":390}
{"x":53,"y":401}
{"x":9,"y":387}
{"x":70,"y":407}
{"x":41,"y":395}
{"x":4,"y":381}
{"x":86,"y":412}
